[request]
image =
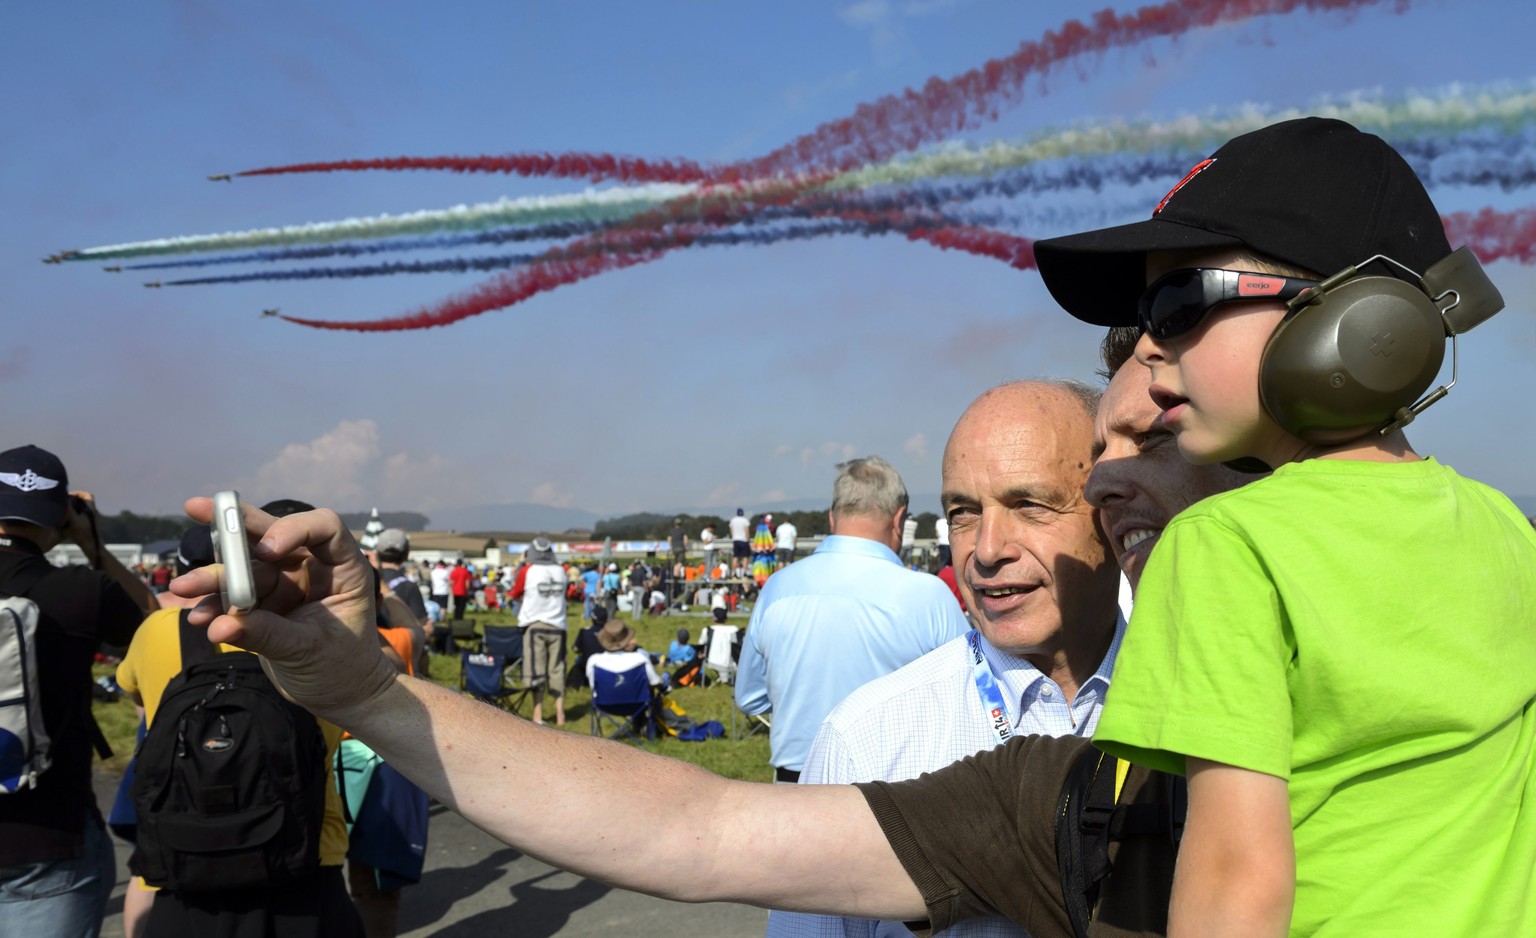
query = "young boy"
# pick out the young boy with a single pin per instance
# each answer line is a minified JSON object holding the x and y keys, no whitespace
{"x":1342,"y":656}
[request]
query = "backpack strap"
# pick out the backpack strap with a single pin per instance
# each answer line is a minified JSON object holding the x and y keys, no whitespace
{"x":195,"y":647}
{"x":1089,"y":818}
{"x":21,"y":583}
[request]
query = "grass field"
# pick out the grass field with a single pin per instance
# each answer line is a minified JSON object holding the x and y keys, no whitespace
{"x":741,"y":759}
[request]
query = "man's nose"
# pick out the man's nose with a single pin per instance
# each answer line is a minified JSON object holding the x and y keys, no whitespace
{"x":1108,"y":483}
{"x":996,"y":540}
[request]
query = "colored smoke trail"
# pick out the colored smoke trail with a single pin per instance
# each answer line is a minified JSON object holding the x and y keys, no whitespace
{"x":595,"y":167}
{"x":600,"y":205}
{"x":891,"y":124}
{"x":899,"y":123}
{"x":1494,"y":235}
{"x":651,"y":240}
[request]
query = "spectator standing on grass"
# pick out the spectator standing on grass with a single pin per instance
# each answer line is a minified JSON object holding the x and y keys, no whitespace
{"x":458,"y":583}
{"x":610,"y":589}
{"x":440,"y":585}
{"x":908,"y":539}
{"x":841,"y":617}
{"x":786,"y":537}
{"x":56,"y":860}
{"x":677,"y":543}
{"x":741,"y":541}
{"x":542,"y":615}
{"x":707,"y":544}
{"x":590,"y":581}
{"x":393,"y":549}
{"x":941,"y":535}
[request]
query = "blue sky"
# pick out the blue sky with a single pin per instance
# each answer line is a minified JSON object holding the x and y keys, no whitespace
{"x":714,"y":377}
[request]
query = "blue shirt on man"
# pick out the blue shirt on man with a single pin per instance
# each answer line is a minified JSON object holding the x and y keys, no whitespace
{"x":822,"y":627}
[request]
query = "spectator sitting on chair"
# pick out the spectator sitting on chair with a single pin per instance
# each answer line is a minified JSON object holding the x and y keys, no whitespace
{"x":619,"y":653}
{"x":586,"y":646}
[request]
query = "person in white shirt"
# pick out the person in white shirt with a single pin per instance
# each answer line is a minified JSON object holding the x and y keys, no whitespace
{"x":786,"y":536}
{"x":440,"y":584}
{"x":941,"y":534}
{"x":1043,"y":597}
{"x":707,"y":544}
{"x":741,"y":541}
{"x":908,"y":539}
{"x":542,"y":614}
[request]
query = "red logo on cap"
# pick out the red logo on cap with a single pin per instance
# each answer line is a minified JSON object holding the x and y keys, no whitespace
{"x":1182,"y":183}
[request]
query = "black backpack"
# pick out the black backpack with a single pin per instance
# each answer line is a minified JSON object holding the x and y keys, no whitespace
{"x":1089,"y":817}
{"x":230,"y":785}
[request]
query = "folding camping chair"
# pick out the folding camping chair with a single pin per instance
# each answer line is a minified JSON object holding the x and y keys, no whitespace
{"x":622,"y":699}
{"x":481,"y":676}
{"x":462,"y":635}
{"x":507,"y":642}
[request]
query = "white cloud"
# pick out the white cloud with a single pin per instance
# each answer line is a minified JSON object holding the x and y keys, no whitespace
{"x":345,"y":468}
{"x":885,"y":21}
{"x":916,"y":445}
{"x":783,"y":449}
{"x":723,"y":494}
{"x":326,"y":471}
{"x":549,"y":493}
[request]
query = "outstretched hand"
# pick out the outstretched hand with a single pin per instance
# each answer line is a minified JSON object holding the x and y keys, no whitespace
{"x":314,"y":619}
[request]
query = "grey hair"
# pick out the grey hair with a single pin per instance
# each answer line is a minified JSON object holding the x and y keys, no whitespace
{"x":868,"y":486}
{"x":1084,"y":393}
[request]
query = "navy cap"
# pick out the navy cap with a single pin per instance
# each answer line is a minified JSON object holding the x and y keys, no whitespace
{"x":33,"y":487}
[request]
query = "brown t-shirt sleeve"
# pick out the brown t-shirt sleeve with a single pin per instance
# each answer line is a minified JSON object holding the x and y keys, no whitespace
{"x":978,"y":838}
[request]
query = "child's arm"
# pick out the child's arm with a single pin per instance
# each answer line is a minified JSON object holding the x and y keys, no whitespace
{"x":1236,"y":872}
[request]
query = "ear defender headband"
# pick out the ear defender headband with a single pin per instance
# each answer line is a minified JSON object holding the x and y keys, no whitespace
{"x":1354,"y":353}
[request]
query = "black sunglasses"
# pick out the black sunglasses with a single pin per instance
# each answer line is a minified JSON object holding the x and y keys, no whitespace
{"x":1178,"y":301}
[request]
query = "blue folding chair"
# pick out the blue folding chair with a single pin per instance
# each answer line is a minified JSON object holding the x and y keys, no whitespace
{"x":622,"y":699}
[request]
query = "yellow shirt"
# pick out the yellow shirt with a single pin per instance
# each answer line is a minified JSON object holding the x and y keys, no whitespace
{"x":154,"y":658}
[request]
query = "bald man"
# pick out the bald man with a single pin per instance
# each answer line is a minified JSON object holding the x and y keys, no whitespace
{"x":1036,"y":574}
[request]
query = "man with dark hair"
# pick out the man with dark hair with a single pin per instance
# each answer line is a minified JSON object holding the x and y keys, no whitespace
{"x":393,"y":547}
{"x":320,"y":902}
{"x":56,"y":863}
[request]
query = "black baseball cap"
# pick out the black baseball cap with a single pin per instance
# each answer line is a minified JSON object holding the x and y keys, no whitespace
{"x":33,"y":487}
{"x":195,"y":549}
{"x":1314,"y":192}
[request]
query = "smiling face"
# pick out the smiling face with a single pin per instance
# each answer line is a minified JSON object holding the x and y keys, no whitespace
{"x":1139,"y":479}
{"x":1206,"y":381}
{"x":1028,"y":555}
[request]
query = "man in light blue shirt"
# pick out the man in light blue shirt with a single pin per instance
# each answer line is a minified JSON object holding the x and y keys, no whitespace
{"x":845,"y":615}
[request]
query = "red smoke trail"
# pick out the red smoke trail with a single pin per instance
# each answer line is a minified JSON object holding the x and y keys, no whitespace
{"x":897,"y":123}
{"x":593,"y":166}
{"x":506,"y":290}
{"x":1493,"y":235}
{"x":889,"y":125}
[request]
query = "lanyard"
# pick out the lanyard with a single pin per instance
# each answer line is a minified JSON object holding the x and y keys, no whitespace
{"x":991,"y":697}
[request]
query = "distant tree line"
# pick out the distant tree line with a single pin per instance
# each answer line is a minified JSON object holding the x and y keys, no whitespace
{"x":648,"y":525}
{"x":404,"y":520}
{"x":125,"y":527}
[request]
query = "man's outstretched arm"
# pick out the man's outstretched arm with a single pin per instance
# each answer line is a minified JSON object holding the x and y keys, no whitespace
{"x":689,"y":834}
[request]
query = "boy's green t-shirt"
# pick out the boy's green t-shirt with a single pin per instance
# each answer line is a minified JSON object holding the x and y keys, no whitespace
{"x":1366,"y":631}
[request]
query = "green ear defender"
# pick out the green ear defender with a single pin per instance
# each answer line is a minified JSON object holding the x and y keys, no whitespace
{"x":1354,"y":354}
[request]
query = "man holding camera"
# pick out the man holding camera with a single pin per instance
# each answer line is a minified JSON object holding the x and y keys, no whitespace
{"x":56,"y":863}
